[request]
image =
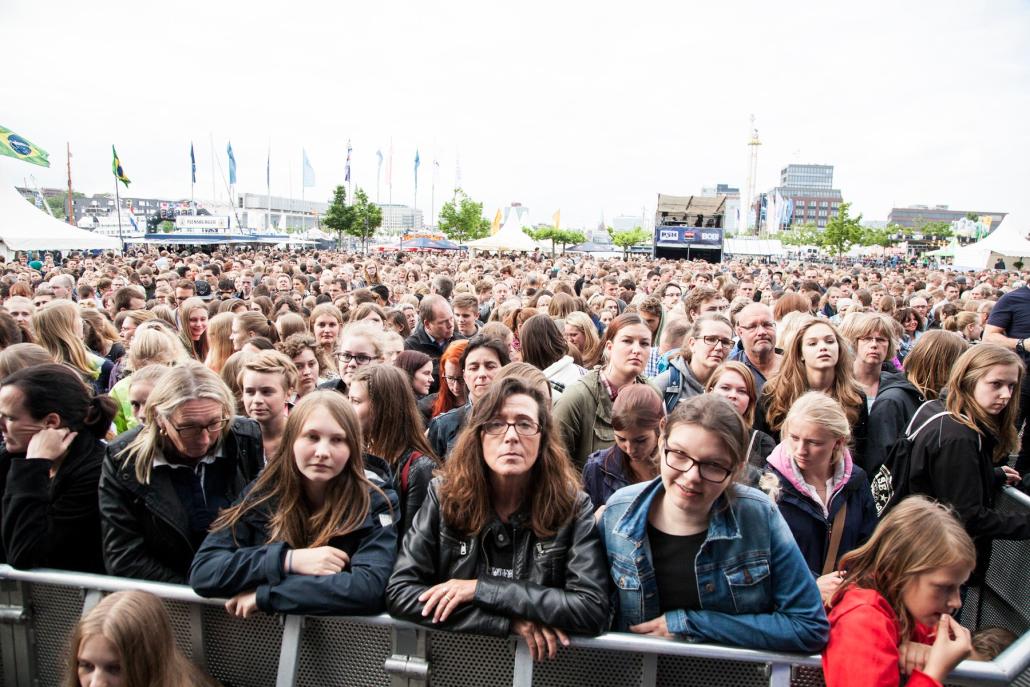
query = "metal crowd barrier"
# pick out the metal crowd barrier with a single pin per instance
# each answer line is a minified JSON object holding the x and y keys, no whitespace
{"x":38,"y":610}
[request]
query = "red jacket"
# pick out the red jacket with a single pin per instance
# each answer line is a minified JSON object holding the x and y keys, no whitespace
{"x":863,"y":646}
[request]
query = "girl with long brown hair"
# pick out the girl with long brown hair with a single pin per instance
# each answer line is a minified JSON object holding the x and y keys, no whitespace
{"x":505,"y":541}
{"x":392,"y":429}
{"x":817,"y":358}
{"x":312,"y":535}
{"x":192,"y":317}
{"x":58,"y":327}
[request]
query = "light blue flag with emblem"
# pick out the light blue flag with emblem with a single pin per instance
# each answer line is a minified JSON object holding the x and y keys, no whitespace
{"x":232,"y":165}
{"x":309,"y":171}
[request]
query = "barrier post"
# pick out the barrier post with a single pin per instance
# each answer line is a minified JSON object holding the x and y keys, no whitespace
{"x":407,"y":666}
{"x":289,"y":652}
{"x":17,"y":643}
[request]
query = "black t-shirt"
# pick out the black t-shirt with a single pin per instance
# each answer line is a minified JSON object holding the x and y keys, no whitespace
{"x":500,"y":552}
{"x":1012,"y":313}
{"x":674,"y":569}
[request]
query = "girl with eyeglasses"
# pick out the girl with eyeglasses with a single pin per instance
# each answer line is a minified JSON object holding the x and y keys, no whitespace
{"x":748,"y":584}
{"x":505,"y":541}
{"x":705,"y":348}
{"x":360,"y":344}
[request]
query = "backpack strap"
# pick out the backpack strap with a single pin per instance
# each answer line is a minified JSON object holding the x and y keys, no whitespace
{"x":836,"y":532}
{"x":672,"y":392}
{"x":911,"y":422}
{"x":750,"y":445}
{"x":912,"y":436}
{"x":406,"y":470}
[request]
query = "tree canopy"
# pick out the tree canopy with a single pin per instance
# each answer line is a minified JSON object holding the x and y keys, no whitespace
{"x":461,"y":219}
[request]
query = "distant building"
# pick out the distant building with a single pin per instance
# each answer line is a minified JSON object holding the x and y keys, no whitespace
{"x":915,"y":216}
{"x":731,"y":218}
{"x":627,"y":222}
{"x":277,"y":213}
{"x":810,"y":194}
{"x":397,"y":217}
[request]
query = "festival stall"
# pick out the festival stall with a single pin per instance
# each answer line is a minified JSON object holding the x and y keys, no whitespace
{"x":1008,"y":242}
{"x":24,"y":227}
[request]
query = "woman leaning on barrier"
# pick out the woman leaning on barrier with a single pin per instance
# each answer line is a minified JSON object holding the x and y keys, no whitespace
{"x":749,"y":585}
{"x":53,"y":428}
{"x":164,"y":482}
{"x":126,"y":640}
{"x":505,"y":541}
{"x":312,"y":535}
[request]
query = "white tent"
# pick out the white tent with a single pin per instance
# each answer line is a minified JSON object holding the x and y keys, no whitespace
{"x":1007,"y":242}
{"x":754,"y":247}
{"x":23,"y":226}
{"x":509,"y":237}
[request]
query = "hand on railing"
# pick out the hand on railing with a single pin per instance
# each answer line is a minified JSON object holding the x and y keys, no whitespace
{"x":445,"y":597}
{"x":324,"y":560}
{"x":656,"y":627}
{"x":243,"y":605}
{"x":542,"y":640}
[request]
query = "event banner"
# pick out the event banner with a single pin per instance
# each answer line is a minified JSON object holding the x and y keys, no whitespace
{"x":689,"y":236}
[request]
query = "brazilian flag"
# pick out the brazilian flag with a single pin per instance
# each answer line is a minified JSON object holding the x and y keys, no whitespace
{"x":13,"y":145}
{"x":116,"y":167}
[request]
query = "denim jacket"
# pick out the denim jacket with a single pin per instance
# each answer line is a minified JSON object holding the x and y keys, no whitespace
{"x":754,"y":586}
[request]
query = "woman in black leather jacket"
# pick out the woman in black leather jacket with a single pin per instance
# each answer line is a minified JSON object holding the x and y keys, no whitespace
{"x":54,"y":429}
{"x":391,"y":426}
{"x":164,"y":482}
{"x":505,"y":541}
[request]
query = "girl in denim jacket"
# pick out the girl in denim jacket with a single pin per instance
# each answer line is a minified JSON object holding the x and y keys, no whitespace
{"x":749,"y":584}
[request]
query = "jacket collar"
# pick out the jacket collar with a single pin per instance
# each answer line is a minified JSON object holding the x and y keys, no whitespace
{"x":632,"y":525}
{"x":788,"y":468}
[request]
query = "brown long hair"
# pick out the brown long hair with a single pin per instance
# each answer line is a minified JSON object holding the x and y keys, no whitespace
{"x":915,"y":537}
{"x":790,"y":382}
{"x":969,"y":369}
{"x":396,"y":423}
{"x":465,"y":491}
{"x":280,"y":484}
{"x":928,"y":365}
{"x":139,"y":627}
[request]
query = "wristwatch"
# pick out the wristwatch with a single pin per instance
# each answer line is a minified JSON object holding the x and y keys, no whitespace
{"x":1021,"y":347}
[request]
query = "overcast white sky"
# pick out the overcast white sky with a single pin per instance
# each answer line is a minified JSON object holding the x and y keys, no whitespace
{"x":587,"y":107}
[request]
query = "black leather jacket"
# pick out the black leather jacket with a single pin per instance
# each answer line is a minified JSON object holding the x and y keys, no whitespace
{"x":561,"y":581}
{"x":145,"y":527}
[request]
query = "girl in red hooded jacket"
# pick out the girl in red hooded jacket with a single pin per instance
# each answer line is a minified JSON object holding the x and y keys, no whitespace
{"x":893,"y":610}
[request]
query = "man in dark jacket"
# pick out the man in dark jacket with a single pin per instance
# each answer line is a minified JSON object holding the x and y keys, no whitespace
{"x":434,"y":334}
{"x":148,"y":528}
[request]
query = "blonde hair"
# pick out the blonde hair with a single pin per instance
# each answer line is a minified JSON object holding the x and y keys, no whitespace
{"x":374,"y":335}
{"x":54,"y":326}
{"x":820,"y":409}
{"x":749,"y":382}
{"x":271,"y":362}
{"x":928,"y":365}
{"x":959,"y":321}
{"x":219,"y":330}
{"x":916,"y":536}
{"x":139,"y":627}
{"x":187,"y":382}
{"x":969,"y":369}
{"x":592,"y":348}
{"x":153,"y":345}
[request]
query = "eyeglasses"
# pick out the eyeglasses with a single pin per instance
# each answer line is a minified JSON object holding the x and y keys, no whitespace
{"x":710,"y":472}
{"x":878,"y":340}
{"x":524,"y":428}
{"x":454,"y":380}
{"x":195,"y":431}
{"x":757,"y":325}
{"x":713,"y":341}
{"x":359,"y":358}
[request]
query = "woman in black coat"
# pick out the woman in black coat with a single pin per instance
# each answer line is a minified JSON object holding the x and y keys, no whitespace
{"x":505,"y":541}
{"x":164,"y":482}
{"x":54,"y":428}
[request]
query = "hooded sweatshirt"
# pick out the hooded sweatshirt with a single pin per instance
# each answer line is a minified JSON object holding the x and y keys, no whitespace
{"x":810,"y":520}
{"x":896,"y":402}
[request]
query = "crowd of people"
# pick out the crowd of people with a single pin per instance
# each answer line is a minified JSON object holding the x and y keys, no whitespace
{"x":776,"y":456}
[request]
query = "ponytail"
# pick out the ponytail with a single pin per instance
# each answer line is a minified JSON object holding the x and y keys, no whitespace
{"x":100,"y":414}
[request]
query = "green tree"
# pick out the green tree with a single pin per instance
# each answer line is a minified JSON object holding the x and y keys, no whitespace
{"x":461,"y":219}
{"x":842,"y":231}
{"x":167,"y":226}
{"x":627,"y":239}
{"x":801,"y":235}
{"x":367,"y":217}
{"x":339,"y":217}
{"x":941,"y":229}
{"x":876,"y":237}
{"x":556,"y":236}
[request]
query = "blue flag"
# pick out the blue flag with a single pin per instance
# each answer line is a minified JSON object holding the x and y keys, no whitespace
{"x":309,"y":171}
{"x":232,"y":165}
{"x":416,"y":162}
{"x":193,"y":163}
{"x":346,"y":176}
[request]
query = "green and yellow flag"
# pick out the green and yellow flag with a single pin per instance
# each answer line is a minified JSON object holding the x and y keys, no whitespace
{"x":116,"y":167}
{"x":13,"y":145}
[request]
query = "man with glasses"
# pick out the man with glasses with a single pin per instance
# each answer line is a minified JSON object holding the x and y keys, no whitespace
{"x":184,"y":288}
{"x":671,"y":294}
{"x":757,"y":331}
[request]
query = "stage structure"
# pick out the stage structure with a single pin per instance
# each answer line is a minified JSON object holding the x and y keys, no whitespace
{"x":689,"y":227}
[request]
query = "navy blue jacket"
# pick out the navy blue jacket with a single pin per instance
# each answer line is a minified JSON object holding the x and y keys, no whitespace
{"x":231,"y":562}
{"x":604,"y":474}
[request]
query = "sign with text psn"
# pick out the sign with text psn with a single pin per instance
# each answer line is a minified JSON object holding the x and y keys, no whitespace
{"x":689,"y":236}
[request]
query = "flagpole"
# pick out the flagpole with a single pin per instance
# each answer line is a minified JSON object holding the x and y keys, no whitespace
{"x":71,"y":198}
{"x":432,"y":195}
{"x":212,"y":139}
{"x":118,"y":209}
{"x":268,"y":183}
{"x":193,"y":179}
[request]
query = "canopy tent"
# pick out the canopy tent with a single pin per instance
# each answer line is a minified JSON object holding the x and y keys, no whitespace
{"x":510,"y":237}
{"x":947,"y":252}
{"x":1008,"y":242}
{"x":426,"y":243}
{"x":23,"y":226}
{"x":754,"y":247}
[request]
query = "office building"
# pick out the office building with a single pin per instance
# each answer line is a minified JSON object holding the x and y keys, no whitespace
{"x":915,"y":216}
{"x":809,"y":194}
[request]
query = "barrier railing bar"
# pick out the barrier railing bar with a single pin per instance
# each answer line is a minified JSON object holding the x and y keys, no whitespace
{"x":779,"y":675}
{"x":1004,"y":669}
{"x":1017,"y":495}
{"x":649,"y":670}
{"x":289,"y":651}
{"x":197,"y":635}
{"x":522,"y":675}
{"x":91,"y":599}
